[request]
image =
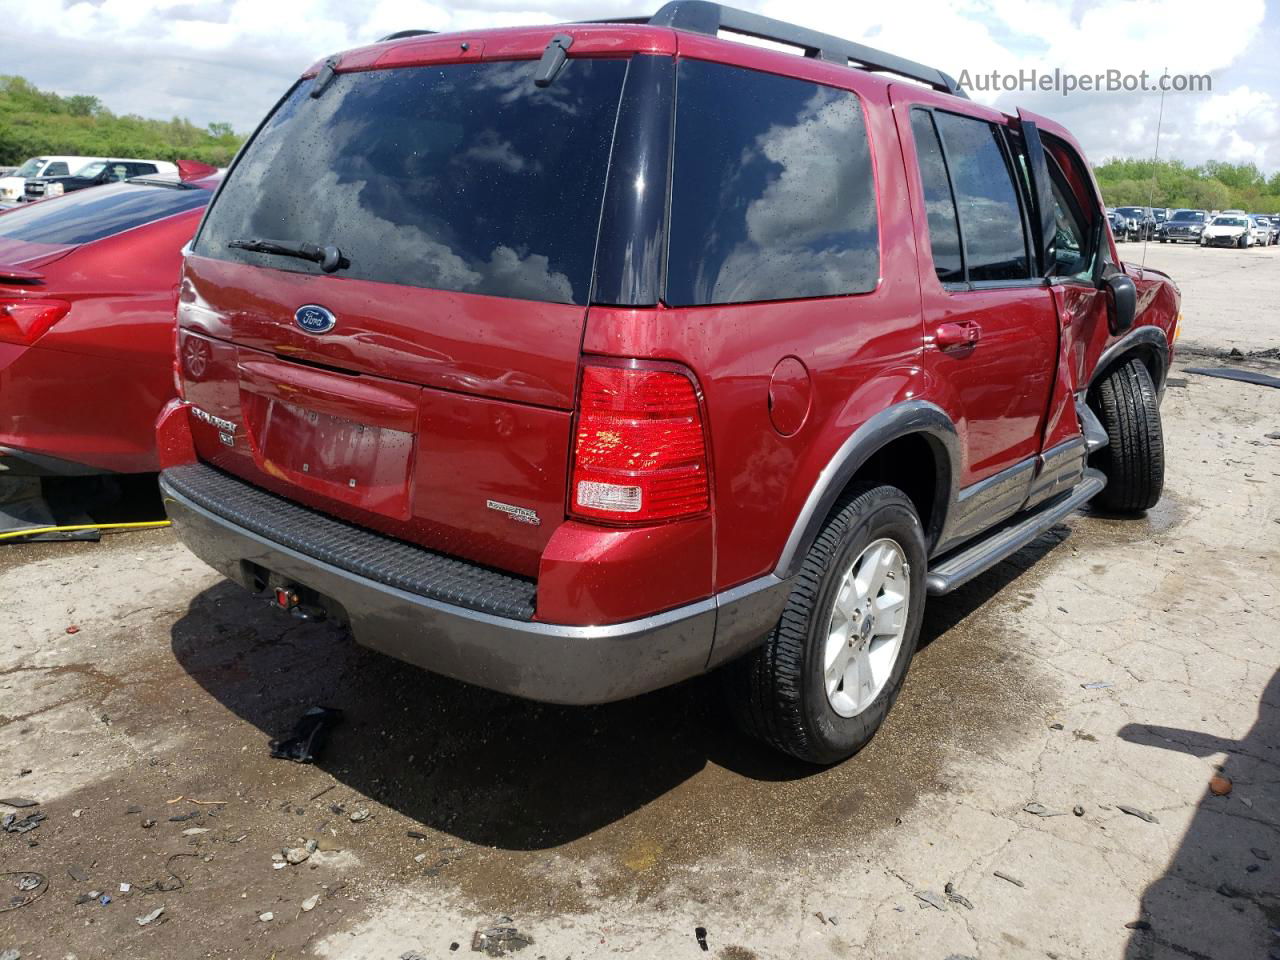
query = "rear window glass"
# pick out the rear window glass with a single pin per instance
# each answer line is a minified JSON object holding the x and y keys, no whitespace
{"x":466,"y":177}
{"x":773,"y":195}
{"x":88,"y":215}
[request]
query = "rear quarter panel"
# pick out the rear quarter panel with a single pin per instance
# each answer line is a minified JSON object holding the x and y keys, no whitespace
{"x":861,"y":353}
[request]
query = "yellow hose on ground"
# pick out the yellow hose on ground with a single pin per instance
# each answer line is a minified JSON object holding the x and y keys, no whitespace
{"x":84,"y":526}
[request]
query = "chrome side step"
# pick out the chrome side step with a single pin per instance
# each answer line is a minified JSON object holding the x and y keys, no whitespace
{"x":960,"y":566}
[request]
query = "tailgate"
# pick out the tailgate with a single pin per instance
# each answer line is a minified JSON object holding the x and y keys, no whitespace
{"x":382,"y":314}
{"x":419,"y":421}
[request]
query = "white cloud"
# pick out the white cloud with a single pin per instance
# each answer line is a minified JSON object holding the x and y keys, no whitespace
{"x":230,"y":59}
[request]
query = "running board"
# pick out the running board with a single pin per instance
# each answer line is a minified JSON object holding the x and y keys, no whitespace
{"x":959,"y":567}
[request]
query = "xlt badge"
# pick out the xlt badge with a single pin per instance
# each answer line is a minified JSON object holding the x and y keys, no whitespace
{"x":518,"y":514}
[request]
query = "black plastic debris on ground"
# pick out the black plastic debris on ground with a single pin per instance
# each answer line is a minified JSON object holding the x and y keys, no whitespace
{"x":499,"y":940}
{"x":1231,"y":373}
{"x":12,"y":823}
{"x":309,"y":736}
{"x":700,"y":934}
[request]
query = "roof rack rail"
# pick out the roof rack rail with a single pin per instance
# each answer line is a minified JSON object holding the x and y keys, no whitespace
{"x":703,"y":16}
{"x":402,"y":34}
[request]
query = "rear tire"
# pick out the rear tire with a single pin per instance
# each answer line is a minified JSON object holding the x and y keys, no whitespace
{"x":859,"y":596}
{"x":1133,"y":459}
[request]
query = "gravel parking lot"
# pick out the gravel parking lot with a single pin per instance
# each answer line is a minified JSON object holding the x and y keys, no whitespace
{"x":1044,"y":787}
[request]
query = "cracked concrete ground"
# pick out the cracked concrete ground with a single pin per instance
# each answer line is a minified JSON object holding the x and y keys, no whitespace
{"x":619,"y":830}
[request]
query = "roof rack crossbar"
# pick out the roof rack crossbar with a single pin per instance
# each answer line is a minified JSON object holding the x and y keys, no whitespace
{"x":404,"y":34}
{"x":704,"y":16}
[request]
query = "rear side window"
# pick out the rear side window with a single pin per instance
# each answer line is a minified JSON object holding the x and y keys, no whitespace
{"x":56,"y":169}
{"x":991,"y":224}
{"x":773,"y":195}
{"x":466,"y":177}
{"x":88,"y":215}
{"x":944,"y":232}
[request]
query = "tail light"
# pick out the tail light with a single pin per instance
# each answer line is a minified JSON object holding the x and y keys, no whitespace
{"x":25,"y":321}
{"x":641,"y":453}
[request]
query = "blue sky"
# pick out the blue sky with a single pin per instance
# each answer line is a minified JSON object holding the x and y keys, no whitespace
{"x":229,"y":60}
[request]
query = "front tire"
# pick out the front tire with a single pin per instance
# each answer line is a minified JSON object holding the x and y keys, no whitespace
{"x":1133,"y":459}
{"x":825,"y":678}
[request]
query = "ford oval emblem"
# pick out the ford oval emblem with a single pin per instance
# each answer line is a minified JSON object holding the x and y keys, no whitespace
{"x":314,"y":319}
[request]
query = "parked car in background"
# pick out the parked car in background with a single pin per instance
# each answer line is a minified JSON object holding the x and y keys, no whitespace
{"x":87,"y":297}
{"x":1119,"y":223}
{"x":593,"y":418}
{"x":1184,"y":226}
{"x":93,"y":174}
{"x":1228,"y":230}
{"x":1265,"y":229}
{"x":11,"y":186}
{"x":1141,"y":222}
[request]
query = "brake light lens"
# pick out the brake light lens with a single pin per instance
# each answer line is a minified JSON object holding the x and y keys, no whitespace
{"x":640,"y":453}
{"x":25,"y":321}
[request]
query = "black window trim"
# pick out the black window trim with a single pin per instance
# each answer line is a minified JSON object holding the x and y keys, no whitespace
{"x":1022,"y":187}
{"x":951,"y":285}
{"x":967,"y":285}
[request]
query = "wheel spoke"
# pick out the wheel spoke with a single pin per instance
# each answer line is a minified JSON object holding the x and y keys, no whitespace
{"x":859,"y":656}
{"x":890,"y":608}
{"x":837,"y":650}
{"x":848,"y":598}
{"x":868,"y":571}
{"x":853,"y":679}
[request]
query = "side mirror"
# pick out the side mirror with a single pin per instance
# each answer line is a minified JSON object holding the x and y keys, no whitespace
{"x":1122,"y":302}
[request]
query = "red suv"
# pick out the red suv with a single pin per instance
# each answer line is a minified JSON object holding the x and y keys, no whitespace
{"x":573,"y":362}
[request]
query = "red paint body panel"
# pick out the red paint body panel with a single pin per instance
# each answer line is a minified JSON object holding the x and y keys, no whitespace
{"x":518,"y":350}
{"x":594,"y":575}
{"x":89,"y":390}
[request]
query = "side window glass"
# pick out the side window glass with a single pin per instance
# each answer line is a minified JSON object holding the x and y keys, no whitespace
{"x":995,"y":242}
{"x":1071,"y":256}
{"x":944,"y":232}
{"x":119,"y":172}
{"x":773,"y":195}
{"x":58,"y":169}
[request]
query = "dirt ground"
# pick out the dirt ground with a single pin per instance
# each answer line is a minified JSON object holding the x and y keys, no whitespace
{"x":1113,"y":668}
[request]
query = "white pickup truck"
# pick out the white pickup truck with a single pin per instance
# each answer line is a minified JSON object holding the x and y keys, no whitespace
{"x":11,"y":186}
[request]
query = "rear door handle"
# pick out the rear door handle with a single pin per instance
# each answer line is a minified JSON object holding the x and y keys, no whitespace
{"x":957,"y":336}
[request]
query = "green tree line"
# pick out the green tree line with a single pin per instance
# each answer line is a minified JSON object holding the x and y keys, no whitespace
{"x":34,"y":122}
{"x":1171,"y":183}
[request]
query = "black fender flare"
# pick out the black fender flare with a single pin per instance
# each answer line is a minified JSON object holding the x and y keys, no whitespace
{"x":900,"y":420}
{"x":1147,"y":341}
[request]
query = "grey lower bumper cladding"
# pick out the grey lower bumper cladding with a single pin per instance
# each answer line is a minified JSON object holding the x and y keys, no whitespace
{"x":539,"y":661}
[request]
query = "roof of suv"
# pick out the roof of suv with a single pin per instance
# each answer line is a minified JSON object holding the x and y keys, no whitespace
{"x":666,"y":32}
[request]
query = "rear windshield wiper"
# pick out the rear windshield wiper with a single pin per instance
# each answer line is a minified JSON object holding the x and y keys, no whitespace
{"x":329,"y":257}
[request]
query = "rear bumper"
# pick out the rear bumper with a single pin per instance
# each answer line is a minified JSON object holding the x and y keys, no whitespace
{"x":539,"y":661}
